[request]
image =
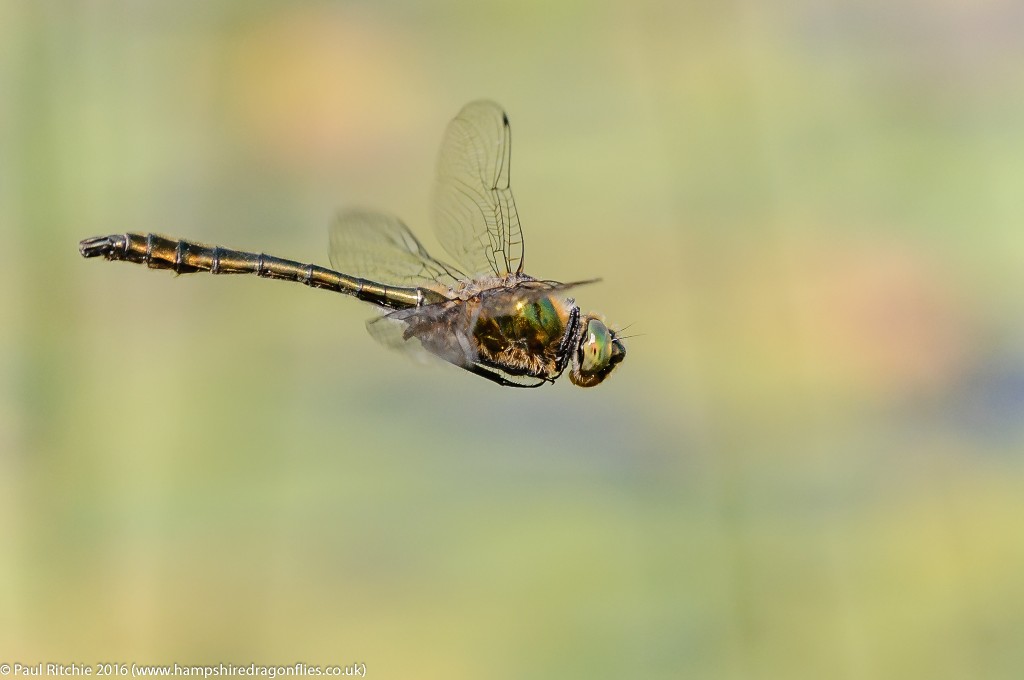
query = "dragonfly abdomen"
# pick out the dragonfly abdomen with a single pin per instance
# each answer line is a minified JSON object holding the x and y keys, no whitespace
{"x":187,"y":257}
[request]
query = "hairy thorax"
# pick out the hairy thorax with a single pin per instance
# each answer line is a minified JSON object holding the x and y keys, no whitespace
{"x":522,"y":333}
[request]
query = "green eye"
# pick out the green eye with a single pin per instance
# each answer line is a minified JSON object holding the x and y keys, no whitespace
{"x":598,"y":353}
{"x":596,"y":348}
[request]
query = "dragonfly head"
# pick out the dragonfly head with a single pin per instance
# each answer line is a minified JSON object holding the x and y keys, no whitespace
{"x":598,"y":352}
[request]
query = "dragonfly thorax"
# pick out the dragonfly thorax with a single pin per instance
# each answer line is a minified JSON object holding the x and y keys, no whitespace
{"x":539,"y":337}
{"x":464,"y":289}
{"x":524,"y":335}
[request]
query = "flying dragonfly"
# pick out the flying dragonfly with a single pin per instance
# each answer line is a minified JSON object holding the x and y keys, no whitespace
{"x":480,"y":312}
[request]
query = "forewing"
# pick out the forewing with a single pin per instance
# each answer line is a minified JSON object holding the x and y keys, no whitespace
{"x":381,"y":248}
{"x":474,"y":213}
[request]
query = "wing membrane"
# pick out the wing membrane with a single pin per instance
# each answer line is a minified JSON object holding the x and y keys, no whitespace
{"x":434,"y":332}
{"x":474,"y":213}
{"x":381,"y":248}
{"x":438,"y":329}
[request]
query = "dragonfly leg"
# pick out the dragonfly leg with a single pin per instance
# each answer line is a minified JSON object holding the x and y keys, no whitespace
{"x":495,"y":377}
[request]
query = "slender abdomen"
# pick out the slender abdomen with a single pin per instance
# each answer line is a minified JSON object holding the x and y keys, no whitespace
{"x":186,"y":257}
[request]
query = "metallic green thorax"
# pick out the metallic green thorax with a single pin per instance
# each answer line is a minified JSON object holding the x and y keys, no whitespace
{"x":525,"y":335}
{"x":535,"y":325}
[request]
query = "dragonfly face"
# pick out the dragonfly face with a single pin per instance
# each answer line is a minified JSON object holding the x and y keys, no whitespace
{"x":598,"y":353}
{"x":479,"y":311}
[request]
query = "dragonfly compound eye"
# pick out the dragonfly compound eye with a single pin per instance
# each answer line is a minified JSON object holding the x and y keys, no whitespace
{"x":599,"y":352}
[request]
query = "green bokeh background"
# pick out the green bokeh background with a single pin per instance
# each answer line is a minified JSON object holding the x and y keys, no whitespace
{"x":809,"y":466}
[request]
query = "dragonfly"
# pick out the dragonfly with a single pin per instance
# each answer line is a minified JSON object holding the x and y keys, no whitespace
{"x":479,"y":311}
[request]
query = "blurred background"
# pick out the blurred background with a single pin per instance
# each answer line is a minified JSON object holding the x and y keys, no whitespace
{"x":809,"y":466}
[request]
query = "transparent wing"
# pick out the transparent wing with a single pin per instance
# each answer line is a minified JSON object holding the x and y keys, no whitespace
{"x":532,"y":289}
{"x":439,"y":330}
{"x":474,"y":213}
{"x":435,"y":332}
{"x":381,"y":248}
{"x":391,"y":334}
